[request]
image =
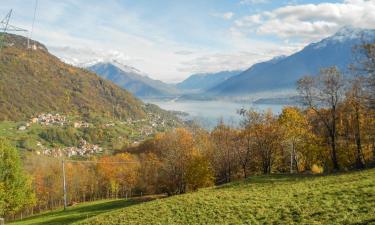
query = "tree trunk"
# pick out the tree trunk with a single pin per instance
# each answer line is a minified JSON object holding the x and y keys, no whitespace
{"x":334,"y":153}
{"x":360,"y":161}
{"x":333,"y":142}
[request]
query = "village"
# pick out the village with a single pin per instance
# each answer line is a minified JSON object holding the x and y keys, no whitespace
{"x":146,"y":127}
{"x":83,"y":149}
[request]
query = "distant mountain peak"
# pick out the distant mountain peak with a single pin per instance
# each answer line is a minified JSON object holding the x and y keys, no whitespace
{"x":346,"y":33}
{"x":278,"y":58}
{"x":132,"y":79}
{"x":127,"y":68}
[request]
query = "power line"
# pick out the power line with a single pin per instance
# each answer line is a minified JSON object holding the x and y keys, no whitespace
{"x":32,"y":26}
{"x":99,"y":162}
{"x":6,"y":26}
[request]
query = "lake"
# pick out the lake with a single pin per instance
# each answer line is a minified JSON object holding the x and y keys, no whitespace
{"x":209,"y":113}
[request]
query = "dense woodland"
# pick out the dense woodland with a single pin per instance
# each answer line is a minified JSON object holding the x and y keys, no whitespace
{"x":332,"y":131}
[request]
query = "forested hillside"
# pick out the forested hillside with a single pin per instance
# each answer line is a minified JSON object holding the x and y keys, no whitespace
{"x":34,"y":81}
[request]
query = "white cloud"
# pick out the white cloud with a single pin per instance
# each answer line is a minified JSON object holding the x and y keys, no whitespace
{"x":250,"y":2}
{"x":245,"y":52}
{"x":310,"y":22}
{"x":226,"y":15}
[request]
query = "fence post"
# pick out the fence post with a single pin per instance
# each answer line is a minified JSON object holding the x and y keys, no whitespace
{"x":2,"y":221}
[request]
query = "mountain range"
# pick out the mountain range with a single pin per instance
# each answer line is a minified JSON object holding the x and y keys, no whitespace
{"x":279,"y":73}
{"x":283,"y":72}
{"x":205,"y":81}
{"x":133,"y":80}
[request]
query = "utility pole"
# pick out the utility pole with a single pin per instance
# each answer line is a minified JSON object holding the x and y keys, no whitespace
{"x":5,"y":26}
{"x":291,"y":157}
{"x":64,"y":183}
{"x":32,"y":26}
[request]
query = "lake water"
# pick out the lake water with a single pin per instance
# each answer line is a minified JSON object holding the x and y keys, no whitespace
{"x":209,"y":113}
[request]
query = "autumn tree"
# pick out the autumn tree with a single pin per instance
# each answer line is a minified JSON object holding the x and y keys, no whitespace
{"x":365,"y":67}
{"x":120,"y":173}
{"x":296,"y":135}
{"x":325,"y":91}
{"x":199,"y":172}
{"x":183,"y":164}
{"x":355,"y":97}
{"x":149,"y":170}
{"x":47,"y":180}
{"x":224,"y":155}
{"x":245,"y":150}
{"x":266,"y":135}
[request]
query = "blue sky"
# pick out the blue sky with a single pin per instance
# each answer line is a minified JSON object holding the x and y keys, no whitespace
{"x":171,"y":39}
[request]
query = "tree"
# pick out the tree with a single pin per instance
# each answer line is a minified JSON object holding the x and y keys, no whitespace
{"x":199,"y":172}
{"x":15,"y":186}
{"x":149,"y":172}
{"x":355,"y":99}
{"x":296,"y":134}
{"x":120,"y":173}
{"x":185,"y":164}
{"x":244,"y":150}
{"x":266,"y":135}
{"x":224,"y":157}
{"x":325,"y":90}
{"x":177,"y":147}
{"x":365,"y":67}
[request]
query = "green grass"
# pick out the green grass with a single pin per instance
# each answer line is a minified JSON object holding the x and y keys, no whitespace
{"x":76,"y":213}
{"x":335,"y":199}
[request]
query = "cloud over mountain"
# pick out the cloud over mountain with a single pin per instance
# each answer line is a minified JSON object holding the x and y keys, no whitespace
{"x":310,"y":21}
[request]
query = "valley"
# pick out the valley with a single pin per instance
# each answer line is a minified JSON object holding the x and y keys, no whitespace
{"x":187,"y":112}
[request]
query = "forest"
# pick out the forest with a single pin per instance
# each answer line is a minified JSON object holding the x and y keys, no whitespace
{"x":332,"y":130}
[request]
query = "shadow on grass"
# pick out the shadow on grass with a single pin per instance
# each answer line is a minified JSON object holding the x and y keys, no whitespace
{"x":80,"y":212}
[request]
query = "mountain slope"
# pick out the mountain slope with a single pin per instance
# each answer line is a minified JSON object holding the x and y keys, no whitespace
{"x":132,"y":80}
{"x":205,"y":81}
{"x":277,"y":199}
{"x":336,"y":50}
{"x":33,"y":82}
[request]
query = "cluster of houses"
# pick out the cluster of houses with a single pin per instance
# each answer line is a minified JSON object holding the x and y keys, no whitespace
{"x":81,"y":124}
{"x":45,"y":119}
{"x":83,"y":149}
{"x":146,"y":127}
{"x":49,"y":119}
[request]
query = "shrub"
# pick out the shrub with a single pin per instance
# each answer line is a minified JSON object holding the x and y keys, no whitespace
{"x":315,"y":169}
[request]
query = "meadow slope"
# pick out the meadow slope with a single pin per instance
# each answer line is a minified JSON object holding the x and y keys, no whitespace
{"x":334,"y":199}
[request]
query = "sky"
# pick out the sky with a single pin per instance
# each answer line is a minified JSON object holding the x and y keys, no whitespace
{"x":172,"y":39}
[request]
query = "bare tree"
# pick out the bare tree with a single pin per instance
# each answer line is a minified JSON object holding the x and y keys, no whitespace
{"x":224,"y":153}
{"x":365,"y":66}
{"x":325,"y":91}
{"x":244,"y":150}
{"x":355,"y":98}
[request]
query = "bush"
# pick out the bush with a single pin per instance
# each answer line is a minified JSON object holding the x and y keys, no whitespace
{"x":315,"y":169}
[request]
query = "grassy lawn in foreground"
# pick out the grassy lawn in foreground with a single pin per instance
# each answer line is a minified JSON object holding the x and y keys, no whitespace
{"x":278,"y":199}
{"x":334,"y":199}
{"x":77,"y":213}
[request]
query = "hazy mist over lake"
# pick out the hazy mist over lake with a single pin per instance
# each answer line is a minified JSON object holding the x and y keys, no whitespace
{"x":209,"y":113}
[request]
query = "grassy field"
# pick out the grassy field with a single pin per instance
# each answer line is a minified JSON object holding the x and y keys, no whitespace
{"x":76,"y":213}
{"x":335,"y":199}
